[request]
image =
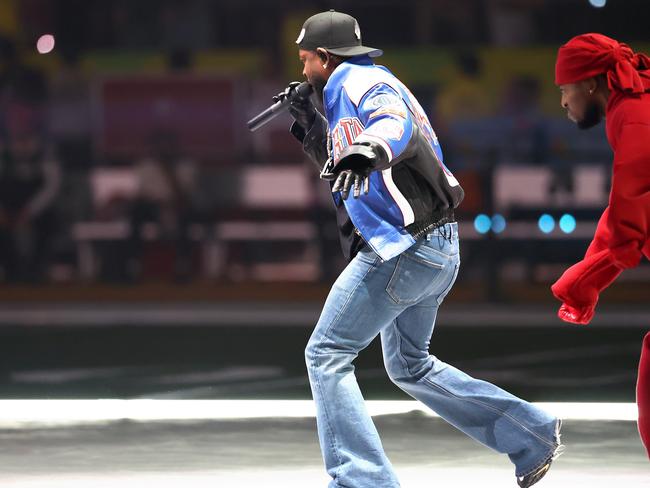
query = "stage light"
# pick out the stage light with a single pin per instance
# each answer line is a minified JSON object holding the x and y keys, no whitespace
{"x":45,"y":43}
{"x":498,"y":223}
{"x":482,"y":224}
{"x":598,"y":3}
{"x":546,"y":223}
{"x":567,"y":223}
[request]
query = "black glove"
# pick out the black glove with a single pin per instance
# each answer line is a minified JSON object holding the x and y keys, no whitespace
{"x":301,"y":108}
{"x":353,"y":169}
{"x":348,"y":179}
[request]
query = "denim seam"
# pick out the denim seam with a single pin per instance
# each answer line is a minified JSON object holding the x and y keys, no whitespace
{"x":425,"y":261}
{"x":490,"y":407}
{"x":314,"y":363}
{"x":399,"y":350}
{"x":331,"y":436}
{"x":447,"y":289}
{"x":440,"y":253}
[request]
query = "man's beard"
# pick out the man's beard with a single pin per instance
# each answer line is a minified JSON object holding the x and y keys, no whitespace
{"x":593,"y":116}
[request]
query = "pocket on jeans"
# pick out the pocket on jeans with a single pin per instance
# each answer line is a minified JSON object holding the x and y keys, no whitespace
{"x":442,"y":296}
{"x":413,"y":279}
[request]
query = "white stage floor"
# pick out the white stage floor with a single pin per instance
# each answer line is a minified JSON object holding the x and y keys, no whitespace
{"x":283,"y":452}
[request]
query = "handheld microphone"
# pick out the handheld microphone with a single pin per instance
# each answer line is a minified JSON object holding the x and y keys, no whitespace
{"x":303,"y":90}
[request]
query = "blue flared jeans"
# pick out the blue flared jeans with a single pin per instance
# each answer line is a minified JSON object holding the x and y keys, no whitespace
{"x":399,"y":299}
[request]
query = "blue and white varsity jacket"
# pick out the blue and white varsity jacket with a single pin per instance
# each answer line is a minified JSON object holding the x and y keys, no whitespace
{"x":414,"y":191}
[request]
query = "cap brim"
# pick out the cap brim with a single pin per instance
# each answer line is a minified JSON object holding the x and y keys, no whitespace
{"x":356,"y":51}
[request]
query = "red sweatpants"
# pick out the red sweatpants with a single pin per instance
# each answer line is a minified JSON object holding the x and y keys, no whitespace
{"x":643,"y":393}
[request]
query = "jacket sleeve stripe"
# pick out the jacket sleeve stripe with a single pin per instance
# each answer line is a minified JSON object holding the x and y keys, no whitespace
{"x":398,"y":196}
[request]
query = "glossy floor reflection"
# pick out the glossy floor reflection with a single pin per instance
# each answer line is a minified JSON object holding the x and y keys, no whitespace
{"x":283,"y":452}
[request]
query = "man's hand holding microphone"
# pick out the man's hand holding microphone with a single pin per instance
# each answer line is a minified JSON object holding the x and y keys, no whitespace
{"x":356,"y":161}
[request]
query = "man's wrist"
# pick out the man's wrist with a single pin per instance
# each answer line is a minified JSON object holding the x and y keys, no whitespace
{"x":364,"y":155}
{"x":357,"y":157}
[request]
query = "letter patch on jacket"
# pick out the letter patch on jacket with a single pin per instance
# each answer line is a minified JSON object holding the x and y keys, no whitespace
{"x":345,"y":132}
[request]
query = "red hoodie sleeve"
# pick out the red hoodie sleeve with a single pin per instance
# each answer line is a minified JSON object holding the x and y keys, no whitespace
{"x":629,"y":215}
{"x":622,"y":231}
{"x":601,"y":237}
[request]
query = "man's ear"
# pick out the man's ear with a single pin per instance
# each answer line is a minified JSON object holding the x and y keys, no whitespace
{"x":591,"y":85}
{"x":324,"y":56}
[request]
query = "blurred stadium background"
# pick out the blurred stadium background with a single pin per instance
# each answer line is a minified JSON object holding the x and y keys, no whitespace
{"x":150,"y":246}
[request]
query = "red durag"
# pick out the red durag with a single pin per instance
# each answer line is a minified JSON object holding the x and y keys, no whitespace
{"x":643,"y":393}
{"x":589,"y":55}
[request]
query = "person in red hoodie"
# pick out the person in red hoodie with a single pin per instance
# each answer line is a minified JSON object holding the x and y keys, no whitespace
{"x":600,"y":77}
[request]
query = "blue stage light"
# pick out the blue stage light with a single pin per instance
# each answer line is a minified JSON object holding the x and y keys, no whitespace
{"x":482,"y":224}
{"x":498,"y":223}
{"x":598,"y":3}
{"x":546,"y":223}
{"x":567,"y":223}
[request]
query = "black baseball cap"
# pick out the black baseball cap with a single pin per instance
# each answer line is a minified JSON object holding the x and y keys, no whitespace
{"x":336,"y":32}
